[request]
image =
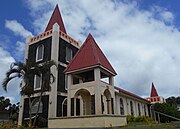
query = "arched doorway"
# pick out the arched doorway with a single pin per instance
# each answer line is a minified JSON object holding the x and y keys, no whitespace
{"x":64,"y":107}
{"x":84,"y":102}
{"x":108,"y":102}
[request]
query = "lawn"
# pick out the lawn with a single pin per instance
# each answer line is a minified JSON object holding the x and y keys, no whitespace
{"x":133,"y":125}
{"x":146,"y":125}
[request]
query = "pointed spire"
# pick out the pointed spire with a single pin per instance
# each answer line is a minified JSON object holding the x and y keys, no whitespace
{"x":56,"y":18}
{"x":153,"y":91}
{"x":89,"y":55}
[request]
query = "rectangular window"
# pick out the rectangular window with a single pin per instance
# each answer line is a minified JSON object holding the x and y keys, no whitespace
{"x":65,"y":82}
{"x":37,"y":82}
{"x":68,"y":54}
{"x":39,"y":53}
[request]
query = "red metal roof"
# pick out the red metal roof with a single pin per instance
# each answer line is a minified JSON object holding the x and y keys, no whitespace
{"x":56,"y":18}
{"x":153,"y":91}
{"x":129,"y":93}
{"x":89,"y":55}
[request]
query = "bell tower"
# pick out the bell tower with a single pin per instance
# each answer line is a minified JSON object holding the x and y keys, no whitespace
{"x":53,"y":44}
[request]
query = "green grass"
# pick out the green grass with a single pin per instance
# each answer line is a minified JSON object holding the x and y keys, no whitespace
{"x":152,"y":125}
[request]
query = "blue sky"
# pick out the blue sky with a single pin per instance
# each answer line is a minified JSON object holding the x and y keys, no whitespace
{"x":141,"y":38}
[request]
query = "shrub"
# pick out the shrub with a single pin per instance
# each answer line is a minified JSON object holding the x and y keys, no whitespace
{"x":12,"y":126}
{"x":131,"y":118}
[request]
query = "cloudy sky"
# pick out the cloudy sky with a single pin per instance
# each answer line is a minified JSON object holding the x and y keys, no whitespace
{"x":140,"y":38}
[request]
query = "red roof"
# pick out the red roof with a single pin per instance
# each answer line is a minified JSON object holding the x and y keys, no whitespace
{"x":56,"y":18}
{"x":153,"y":91}
{"x":129,"y":93}
{"x":89,"y":55}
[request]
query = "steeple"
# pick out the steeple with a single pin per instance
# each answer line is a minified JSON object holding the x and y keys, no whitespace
{"x":56,"y":18}
{"x":89,"y":55}
{"x":153,"y":91}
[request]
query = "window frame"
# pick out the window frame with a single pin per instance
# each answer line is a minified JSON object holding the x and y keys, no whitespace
{"x":37,"y":53}
{"x":35,"y":79}
{"x":122,"y":112}
{"x":68,"y":48}
{"x":35,"y":104}
{"x":65,"y":82}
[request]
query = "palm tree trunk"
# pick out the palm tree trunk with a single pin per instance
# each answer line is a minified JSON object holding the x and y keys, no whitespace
{"x":30,"y":116}
{"x":38,"y":106}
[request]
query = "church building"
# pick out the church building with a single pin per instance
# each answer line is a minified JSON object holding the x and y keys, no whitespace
{"x":79,"y":97}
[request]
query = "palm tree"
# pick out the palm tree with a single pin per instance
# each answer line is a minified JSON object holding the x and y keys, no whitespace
{"x":47,"y":79}
{"x":24,"y":71}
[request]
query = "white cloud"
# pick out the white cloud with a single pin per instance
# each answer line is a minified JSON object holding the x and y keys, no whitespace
{"x":138,"y":43}
{"x":19,"y":51}
{"x":17,"y":28}
{"x":13,"y":87}
{"x":163,"y":14}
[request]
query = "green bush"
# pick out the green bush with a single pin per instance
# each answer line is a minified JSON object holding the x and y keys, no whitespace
{"x":131,"y":118}
{"x":12,"y":126}
{"x":142,"y":119}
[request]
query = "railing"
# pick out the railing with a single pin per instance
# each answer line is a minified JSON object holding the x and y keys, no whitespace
{"x":47,"y":33}
{"x":163,"y":114}
{"x":62,"y":34}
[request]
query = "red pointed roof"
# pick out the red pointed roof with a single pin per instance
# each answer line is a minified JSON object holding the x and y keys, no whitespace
{"x":153,"y":91}
{"x":89,"y":55}
{"x":56,"y":18}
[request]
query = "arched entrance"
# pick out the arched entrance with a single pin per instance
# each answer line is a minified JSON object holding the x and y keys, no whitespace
{"x":108,"y":102}
{"x":84,"y":103}
{"x":64,"y":107}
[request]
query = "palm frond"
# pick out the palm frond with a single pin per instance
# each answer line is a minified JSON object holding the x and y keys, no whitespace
{"x":6,"y":81}
{"x":12,"y":71}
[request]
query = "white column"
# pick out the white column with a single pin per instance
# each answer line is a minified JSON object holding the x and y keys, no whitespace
{"x":97,"y":92}
{"x":69,"y":82}
{"x":111,"y":80}
{"x":21,"y":110}
{"x":54,"y":56}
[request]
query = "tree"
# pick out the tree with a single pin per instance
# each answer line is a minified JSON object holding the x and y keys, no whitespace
{"x":14,"y":109}
{"x":166,"y":109}
{"x":23,"y":71}
{"x":172,"y":101}
{"x":47,"y":79}
{"x":4,"y":103}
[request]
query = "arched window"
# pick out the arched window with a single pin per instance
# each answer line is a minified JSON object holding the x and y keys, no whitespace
{"x":34,"y":107}
{"x":64,"y":107}
{"x":139,"y":110}
{"x":121,"y":106}
{"x":39,"y":53}
{"x":131,"y":107}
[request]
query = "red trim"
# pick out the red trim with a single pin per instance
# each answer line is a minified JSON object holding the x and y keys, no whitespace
{"x":129,"y":93}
